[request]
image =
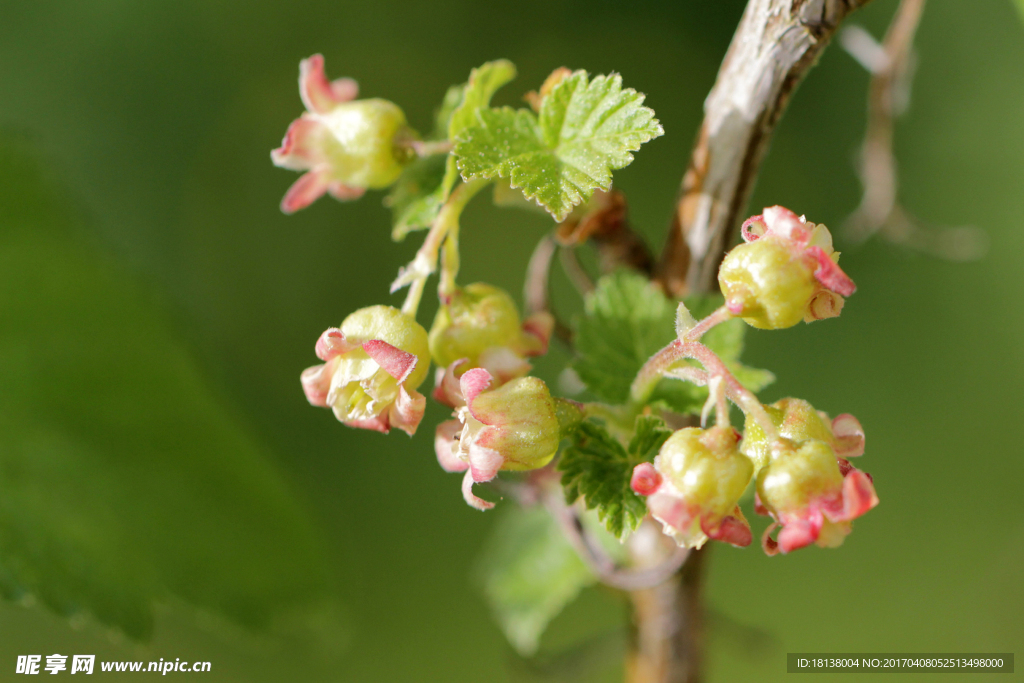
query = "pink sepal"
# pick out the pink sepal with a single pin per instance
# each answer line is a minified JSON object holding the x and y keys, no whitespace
{"x":407,"y":410}
{"x":319,"y":94}
{"x":759,"y":507}
{"x":733,"y":529}
{"x":799,"y":532}
{"x":857,"y":498}
{"x":333,"y":343}
{"x":484,"y":463}
{"x":345,"y":193}
{"x":445,"y":445}
{"x":646,"y":480}
{"x":378,"y":423}
{"x":316,"y":383}
{"x":540,"y":325}
{"x":303,"y":146}
{"x":849,"y":436}
{"x":829,"y":274}
{"x":304,"y":191}
{"x":391,"y":359}
{"x":472,"y":383}
{"x":467,"y":493}
{"x":447,"y":389}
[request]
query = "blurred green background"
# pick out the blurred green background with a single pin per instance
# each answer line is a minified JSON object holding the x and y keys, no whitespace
{"x":161,"y":470}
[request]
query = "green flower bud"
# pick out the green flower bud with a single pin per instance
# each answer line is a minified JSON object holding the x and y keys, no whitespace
{"x":477,"y":317}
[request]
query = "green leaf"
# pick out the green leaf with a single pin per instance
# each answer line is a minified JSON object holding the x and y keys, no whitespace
{"x":598,"y":468}
{"x":125,"y":481}
{"x":424,"y":186}
{"x":483,"y":82}
{"x":529,"y":574}
{"x":586,"y":129}
{"x":626,"y":320}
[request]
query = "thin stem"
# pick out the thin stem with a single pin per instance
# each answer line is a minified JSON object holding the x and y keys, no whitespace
{"x":536,"y":289}
{"x":598,"y":561}
{"x":449,"y":264}
{"x":654,"y":369}
{"x":424,"y":264}
{"x":717,"y":317}
{"x":430,"y":148}
{"x":574,"y":271}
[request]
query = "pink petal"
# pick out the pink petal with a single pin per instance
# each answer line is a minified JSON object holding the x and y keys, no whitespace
{"x":798,"y":533}
{"x":732,"y":530}
{"x":393,"y":360}
{"x":849,"y":436}
{"x":753,"y":228}
{"x":467,"y":493}
{"x":759,"y":507}
{"x":333,"y":343}
{"x":303,"y":145}
{"x":447,"y":390}
{"x":316,"y":383}
{"x":304,"y":191}
{"x":646,"y":480}
{"x":484,"y":463}
{"x":345,"y":193}
{"x":445,"y":446}
{"x":669,"y":510}
{"x":540,"y":325}
{"x":376,"y":424}
{"x":785,"y":223}
{"x":830,"y":274}
{"x":318,"y":94}
{"x":473,"y":382}
{"x":407,"y":410}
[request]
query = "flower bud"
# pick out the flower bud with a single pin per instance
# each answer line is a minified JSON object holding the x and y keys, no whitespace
{"x":804,"y":489}
{"x":480,"y":324}
{"x":694,"y":486}
{"x":798,"y":421}
{"x":786,"y":272}
{"x":513,"y":427}
{"x":373,"y":365}
{"x":346,"y":145}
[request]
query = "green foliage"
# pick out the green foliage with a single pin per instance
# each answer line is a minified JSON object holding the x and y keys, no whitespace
{"x":626,"y":320}
{"x":529,"y":573}
{"x":124,"y":480}
{"x":424,"y":186}
{"x":598,"y":467}
{"x":586,"y":128}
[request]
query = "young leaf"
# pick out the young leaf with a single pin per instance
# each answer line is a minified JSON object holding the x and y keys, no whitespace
{"x":626,"y":320}
{"x":586,"y":129}
{"x":597,"y":467}
{"x":529,"y":574}
{"x":424,"y":186}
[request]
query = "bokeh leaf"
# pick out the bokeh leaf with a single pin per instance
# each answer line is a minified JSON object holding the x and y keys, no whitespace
{"x":124,"y":479}
{"x":529,"y":574}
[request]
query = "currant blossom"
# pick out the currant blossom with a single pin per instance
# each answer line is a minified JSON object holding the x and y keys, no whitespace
{"x":786,"y":272}
{"x":346,"y":146}
{"x":694,"y":486}
{"x":479,"y":326}
{"x":372,"y":367}
{"x":813,"y":495}
{"x":513,"y":427}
